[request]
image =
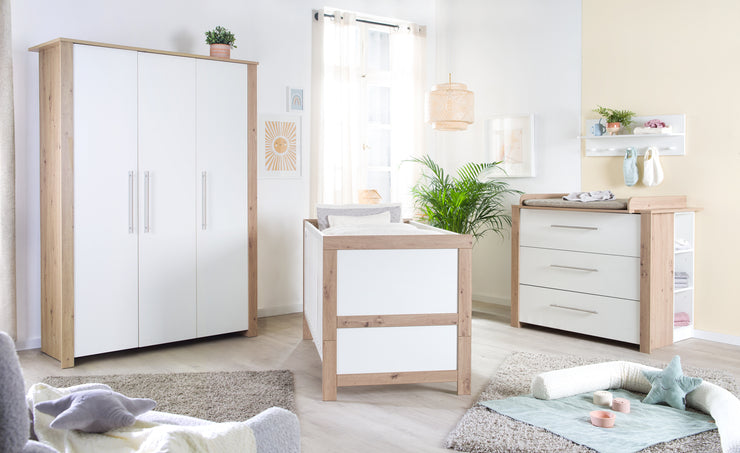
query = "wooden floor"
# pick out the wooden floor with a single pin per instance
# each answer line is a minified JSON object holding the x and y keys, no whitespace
{"x":402,"y":418}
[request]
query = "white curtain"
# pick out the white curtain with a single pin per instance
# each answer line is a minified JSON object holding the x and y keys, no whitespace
{"x":337,"y":169}
{"x":336,"y":120}
{"x":408,"y":85}
{"x":7,"y":177}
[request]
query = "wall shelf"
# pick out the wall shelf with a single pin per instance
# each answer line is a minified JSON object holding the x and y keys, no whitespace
{"x":672,"y":144}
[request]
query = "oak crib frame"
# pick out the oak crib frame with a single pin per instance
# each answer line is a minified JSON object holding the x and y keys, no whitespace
{"x":405,"y":338}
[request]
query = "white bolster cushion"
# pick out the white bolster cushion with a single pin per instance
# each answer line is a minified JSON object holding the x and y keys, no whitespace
{"x":722,"y":405}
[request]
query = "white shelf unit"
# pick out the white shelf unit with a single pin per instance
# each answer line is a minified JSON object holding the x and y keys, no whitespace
{"x":683,"y":262}
{"x":673,"y":144}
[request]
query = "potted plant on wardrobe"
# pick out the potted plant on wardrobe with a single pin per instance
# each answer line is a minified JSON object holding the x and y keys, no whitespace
{"x":616,"y":120}
{"x":221,"y":41}
{"x":470,"y":203}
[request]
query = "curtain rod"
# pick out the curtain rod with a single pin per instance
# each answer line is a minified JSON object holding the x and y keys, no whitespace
{"x":365,"y":21}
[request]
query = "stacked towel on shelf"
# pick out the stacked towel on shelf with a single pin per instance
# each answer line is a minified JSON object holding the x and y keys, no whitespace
{"x":681,"y":244}
{"x":681,"y":319}
{"x":680,"y":280}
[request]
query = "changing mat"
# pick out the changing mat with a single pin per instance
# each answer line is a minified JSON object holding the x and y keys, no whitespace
{"x":617,"y":203}
{"x":375,"y":230}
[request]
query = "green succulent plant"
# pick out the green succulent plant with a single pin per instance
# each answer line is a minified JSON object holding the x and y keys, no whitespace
{"x":465,"y":204}
{"x":615,"y":116}
{"x":220,"y":35}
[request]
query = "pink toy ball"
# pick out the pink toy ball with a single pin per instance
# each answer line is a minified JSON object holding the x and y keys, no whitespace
{"x":602,"y":419}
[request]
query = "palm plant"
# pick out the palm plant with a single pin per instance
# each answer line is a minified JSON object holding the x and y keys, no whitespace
{"x":464,"y":204}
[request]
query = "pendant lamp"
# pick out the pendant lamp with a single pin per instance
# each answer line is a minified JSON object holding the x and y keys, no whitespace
{"x":450,"y":106}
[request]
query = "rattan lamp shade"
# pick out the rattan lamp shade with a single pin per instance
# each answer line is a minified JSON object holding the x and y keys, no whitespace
{"x":450,"y":107}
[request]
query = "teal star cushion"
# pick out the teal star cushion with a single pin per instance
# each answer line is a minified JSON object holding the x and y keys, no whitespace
{"x":670,"y":385}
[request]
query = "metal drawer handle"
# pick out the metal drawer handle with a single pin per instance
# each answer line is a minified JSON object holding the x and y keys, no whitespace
{"x":203,"y":199}
{"x":575,"y":227}
{"x":130,"y":202}
{"x":146,"y":202}
{"x":584,"y":269}
{"x":575,"y":309}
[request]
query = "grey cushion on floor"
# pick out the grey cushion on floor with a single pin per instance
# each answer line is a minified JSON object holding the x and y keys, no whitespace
{"x":276,"y":430}
{"x":617,"y":203}
{"x":13,"y":411}
{"x":95,"y":411}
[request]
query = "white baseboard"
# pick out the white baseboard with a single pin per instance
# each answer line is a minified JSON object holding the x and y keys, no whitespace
{"x":279,"y":310}
{"x":717,"y":337}
{"x":491,"y":300}
{"x":31,"y":343}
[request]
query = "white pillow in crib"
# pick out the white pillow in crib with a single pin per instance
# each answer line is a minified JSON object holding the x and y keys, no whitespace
{"x":372,"y":219}
{"x":324,"y":210}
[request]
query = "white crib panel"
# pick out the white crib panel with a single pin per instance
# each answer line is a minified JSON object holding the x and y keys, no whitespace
{"x":382,"y":282}
{"x":313,"y":262}
{"x":396,"y":349}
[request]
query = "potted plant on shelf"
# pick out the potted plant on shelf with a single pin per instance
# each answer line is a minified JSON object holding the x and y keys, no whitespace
{"x":465,"y":204}
{"x":615,"y":119}
{"x":221,"y":41}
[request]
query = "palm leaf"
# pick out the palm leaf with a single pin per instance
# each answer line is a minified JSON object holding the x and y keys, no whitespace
{"x":464,"y":204}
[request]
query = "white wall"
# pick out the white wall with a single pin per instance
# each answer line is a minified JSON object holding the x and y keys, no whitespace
{"x":276,"y":33}
{"x":517,"y":57}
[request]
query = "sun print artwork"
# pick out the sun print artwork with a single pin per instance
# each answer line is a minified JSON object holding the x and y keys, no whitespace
{"x":280,"y":146}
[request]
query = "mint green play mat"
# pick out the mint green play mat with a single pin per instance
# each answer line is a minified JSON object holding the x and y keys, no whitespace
{"x":643,"y":426}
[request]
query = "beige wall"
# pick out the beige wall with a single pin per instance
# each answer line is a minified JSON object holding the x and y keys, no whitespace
{"x":668,"y":56}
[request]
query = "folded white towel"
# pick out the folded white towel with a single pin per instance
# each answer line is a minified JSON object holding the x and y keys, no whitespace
{"x":599,"y":195}
{"x":681,"y":244}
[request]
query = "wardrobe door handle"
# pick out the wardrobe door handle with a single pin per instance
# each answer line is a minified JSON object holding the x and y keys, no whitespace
{"x":130,"y":202}
{"x":574,"y":309}
{"x":584,"y":269}
{"x":203,"y":199}
{"x":575,"y":227}
{"x":146,"y":202}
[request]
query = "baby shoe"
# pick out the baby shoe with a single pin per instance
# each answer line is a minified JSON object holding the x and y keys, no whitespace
{"x":652,"y":171}
{"x":630,"y":167}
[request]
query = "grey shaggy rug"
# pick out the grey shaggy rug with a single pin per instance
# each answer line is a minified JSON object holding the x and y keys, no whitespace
{"x":218,"y":397}
{"x":482,"y":430}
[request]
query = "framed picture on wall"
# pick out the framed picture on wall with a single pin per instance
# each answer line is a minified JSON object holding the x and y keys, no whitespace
{"x":279,"y":146}
{"x":295,"y":99}
{"x":510,"y":140}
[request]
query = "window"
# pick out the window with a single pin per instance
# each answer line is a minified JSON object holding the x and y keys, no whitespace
{"x":367,"y":115}
{"x":377,"y":157}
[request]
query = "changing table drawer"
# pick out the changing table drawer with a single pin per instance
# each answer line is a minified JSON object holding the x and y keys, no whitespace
{"x":595,"y":232}
{"x":616,"y":319}
{"x":606,"y":275}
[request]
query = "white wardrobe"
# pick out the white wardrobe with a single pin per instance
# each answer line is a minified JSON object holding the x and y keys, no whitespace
{"x":148,"y":197}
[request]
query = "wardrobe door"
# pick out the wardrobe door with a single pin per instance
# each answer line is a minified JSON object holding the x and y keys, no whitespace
{"x":105,"y":244}
{"x":167,"y":201}
{"x":222,"y":197}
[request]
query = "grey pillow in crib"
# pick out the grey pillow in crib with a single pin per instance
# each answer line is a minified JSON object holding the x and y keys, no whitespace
{"x":323,"y":211}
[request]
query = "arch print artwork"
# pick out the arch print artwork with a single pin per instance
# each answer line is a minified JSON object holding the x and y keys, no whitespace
{"x":280,"y":146}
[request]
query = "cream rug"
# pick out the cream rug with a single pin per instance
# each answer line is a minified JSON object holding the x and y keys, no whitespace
{"x":218,"y":397}
{"x":482,"y":430}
